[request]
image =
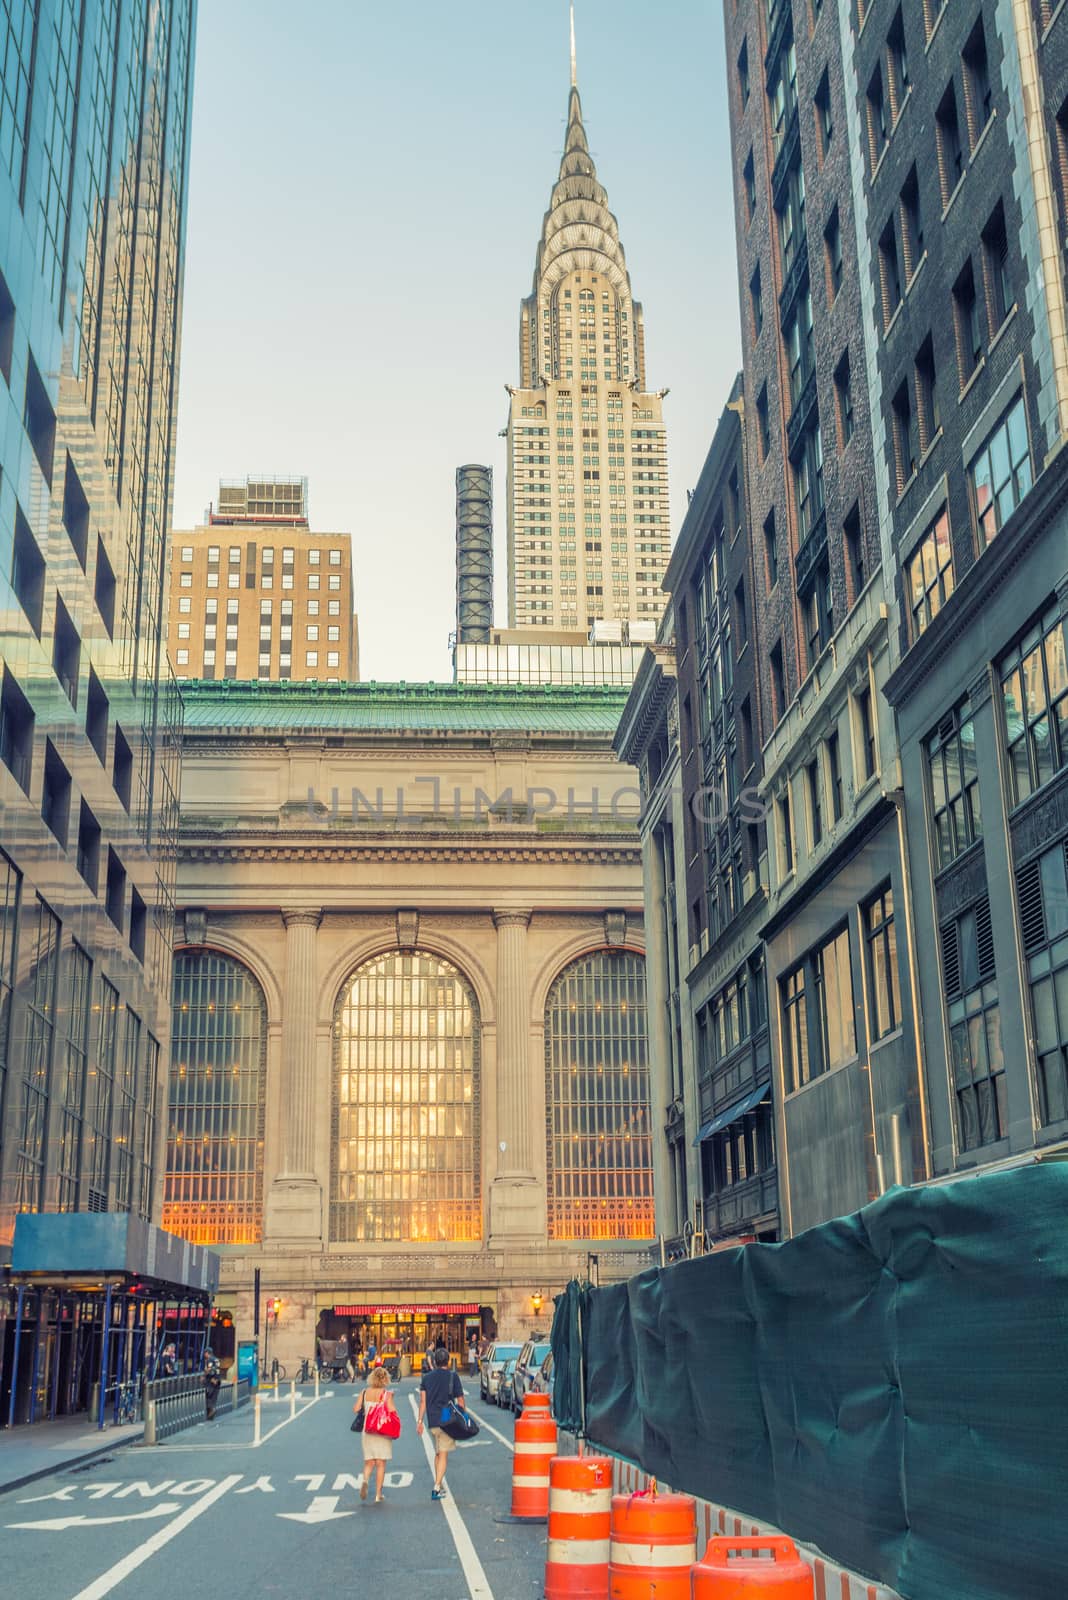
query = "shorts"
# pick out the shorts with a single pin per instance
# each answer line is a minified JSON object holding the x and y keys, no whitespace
{"x":442,"y":1441}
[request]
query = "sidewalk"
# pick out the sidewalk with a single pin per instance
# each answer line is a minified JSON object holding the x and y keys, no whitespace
{"x":36,"y":1450}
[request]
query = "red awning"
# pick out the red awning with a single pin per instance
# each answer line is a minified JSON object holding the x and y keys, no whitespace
{"x":460,"y":1309}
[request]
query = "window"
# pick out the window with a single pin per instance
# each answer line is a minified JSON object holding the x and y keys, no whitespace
{"x":185,"y":580}
{"x":782,"y":94}
{"x":213,"y":554}
{"x":30,"y":1129}
{"x":906,"y":446}
{"x":138,"y":925}
{"x":927,"y":412}
{"x":213,"y":580}
{"x":877,"y":120}
{"x":183,"y":630}
{"x":948,"y":140}
{"x":312,"y":630}
{"x":771,"y":550}
{"x":756,"y":304}
{"x":743,"y":74}
{"x":911,"y":225}
{"x":334,"y":580}
{"x":799,"y":348}
{"x":76,"y":513}
{"x":122,"y":769}
{"x":786,"y":835}
{"x":834,"y":776}
{"x":28,"y":572}
{"x":96,"y":717}
{"x":333,"y":634}
{"x":39,"y":419}
{"x":978,"y":91}
{"x":235,"y":555}
{"x":233,"y":580}
{"x":763,"y":424}
{"x":977,"y":1061}
{"x":335,"y":557}
{"x":966,"y":320}
{"x":791,"y":214}
{"x":1042,"y":889}
{"x":115,"y":892}
{"x":749,"y":184}
{"x":996,"y":268}
{"x":313,"y":580}
{"x":1034,"y":692}
{"x":7,"y":330}
{"x":332,"y":658}
{"x":55,"y":795}
{"x":898,"y":64}
{"x":422,"y":1117}
{"x":333,"y":608}
{"x":104,"y":589}
{"x":313,"y":557}
{"x":856,"y":571}
{"x":929,"y":575}
{"x":865,"y":734}
{"x":181,"y":658}
{"x":311,"y":658}
{"x":844,"y":395}
{"x":778,"y":682}
{"x":808,"y":481}
{"x":187,"y":552}
{"x":213,"y":1184}
{"x":819,"y":1032}
{"x":818,"y":609}
{"x":884,"y":996}
{"x":815,"y":803}
{"x":88,"y":862}
{"x":954,"y":779}
{"x":824,"y":116}
{"x":832,"y":239}
{"x":16,"y":731}
{"x":66,"y":653}
{"x":313,"y":608}
{"x":889,"y":272}
{"x":1000,"y":474}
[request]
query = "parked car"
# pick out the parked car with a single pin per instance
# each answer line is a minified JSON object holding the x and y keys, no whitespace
{"x":530,"y":1359}
{"x":543,"y":1379}
{"x":505,"y":1386}
{"x":492,"y":1366}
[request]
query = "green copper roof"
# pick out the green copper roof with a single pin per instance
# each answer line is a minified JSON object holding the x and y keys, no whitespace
{"x":405,"y":707}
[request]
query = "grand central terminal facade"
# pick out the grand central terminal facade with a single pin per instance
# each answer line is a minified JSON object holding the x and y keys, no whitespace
{"x":409,"y":1080}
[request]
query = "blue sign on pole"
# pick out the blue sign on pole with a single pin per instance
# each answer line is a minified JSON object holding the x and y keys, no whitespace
{"x":248,"y":1362}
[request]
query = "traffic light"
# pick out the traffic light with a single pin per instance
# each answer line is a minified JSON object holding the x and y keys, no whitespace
{"x":274,"y":1306}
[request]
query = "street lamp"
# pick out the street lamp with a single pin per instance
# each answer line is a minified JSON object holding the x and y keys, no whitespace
{"x":535,"y":1302}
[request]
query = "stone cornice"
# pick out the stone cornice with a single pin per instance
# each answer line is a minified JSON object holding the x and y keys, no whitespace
{"x":616,"y":852}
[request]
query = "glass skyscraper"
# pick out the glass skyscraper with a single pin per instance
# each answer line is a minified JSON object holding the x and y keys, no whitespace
{"x":94,"y":126}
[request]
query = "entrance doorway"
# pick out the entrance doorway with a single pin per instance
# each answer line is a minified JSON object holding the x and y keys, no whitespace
{"x":407,"y":1330}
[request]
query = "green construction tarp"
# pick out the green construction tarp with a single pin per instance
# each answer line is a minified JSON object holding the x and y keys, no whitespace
{"x":891,"y":1387}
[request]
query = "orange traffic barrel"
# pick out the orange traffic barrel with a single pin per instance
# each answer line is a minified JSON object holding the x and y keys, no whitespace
{"x":580,"y":1515}
{"x":768,"y":1565}
{"x":536,"y":1402}
{"x":535,"y":1446}
{"x":652,"y":1546}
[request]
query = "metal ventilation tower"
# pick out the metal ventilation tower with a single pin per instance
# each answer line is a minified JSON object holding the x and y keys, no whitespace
{"x":474,"y":554}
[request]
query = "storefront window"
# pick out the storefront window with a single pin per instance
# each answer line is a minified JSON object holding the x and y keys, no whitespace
{"x":405,"y":1131}
{"x":213,"y":1190}
{"x":600,"y":1154}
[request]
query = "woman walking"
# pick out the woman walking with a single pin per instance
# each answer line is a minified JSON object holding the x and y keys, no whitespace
{"x":438,"y":1388}
{"x":377,"y":1450}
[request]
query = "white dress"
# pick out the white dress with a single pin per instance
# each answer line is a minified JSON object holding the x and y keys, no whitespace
{"x":375,"y":1447}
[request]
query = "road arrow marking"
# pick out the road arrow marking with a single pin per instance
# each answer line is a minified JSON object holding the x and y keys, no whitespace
{"x":56,"y":1524}
{"x":322,"y":1509}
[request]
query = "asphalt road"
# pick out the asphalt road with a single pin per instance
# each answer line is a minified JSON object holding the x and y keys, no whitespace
{"x":211,"y":1512}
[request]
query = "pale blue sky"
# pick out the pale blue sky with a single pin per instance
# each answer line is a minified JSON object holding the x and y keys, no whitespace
{"x":367,"y":189}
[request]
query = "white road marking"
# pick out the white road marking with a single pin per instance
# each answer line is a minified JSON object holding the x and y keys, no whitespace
{"x":236,"y":1444}
{"x":399,"y":1479}
{"x":114,"y":1575}
{"x":496,"y":1434}
{"x":80,"y":1520}
{"x":477,"y":1582}
{"x":322,"y":1509}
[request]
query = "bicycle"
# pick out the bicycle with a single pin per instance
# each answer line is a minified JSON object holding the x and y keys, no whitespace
{"x":305,"y":1374}
{"x":126,"y":1409}
{"x":278,"y":1371}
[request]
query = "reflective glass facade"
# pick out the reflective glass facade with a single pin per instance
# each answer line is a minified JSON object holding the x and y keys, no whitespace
{"x":213,"y":1185}
{"x":405,"y":1126}
{"x":599,"y":1142}
{"x":94,"y":116}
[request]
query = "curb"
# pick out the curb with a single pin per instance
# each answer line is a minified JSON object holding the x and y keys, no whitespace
{"x":71,"y":1461}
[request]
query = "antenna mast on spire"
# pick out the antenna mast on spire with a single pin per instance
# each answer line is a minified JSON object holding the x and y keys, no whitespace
{"x":574,"y":66}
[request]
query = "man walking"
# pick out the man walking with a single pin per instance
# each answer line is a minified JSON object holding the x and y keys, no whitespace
{"x":439,"y":1388}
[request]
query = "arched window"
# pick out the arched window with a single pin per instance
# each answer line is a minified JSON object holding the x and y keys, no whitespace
{"x":213,"y":1186}
{"x":600,"y":1149}
{"x":407,"y":1160}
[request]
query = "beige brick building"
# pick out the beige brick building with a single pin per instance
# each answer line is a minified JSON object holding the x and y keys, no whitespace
{"x":257,"y":594}
{"x":588,"y":519}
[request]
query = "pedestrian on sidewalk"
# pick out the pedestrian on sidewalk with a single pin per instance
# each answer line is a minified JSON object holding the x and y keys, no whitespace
{"x":376,"y":1449}
{"x":212,"y":1383}
{"x":438,"y":1388}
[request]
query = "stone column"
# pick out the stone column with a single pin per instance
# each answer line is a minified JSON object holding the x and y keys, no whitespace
{"x":294,"y":1204}
{"x":517,"y":1200}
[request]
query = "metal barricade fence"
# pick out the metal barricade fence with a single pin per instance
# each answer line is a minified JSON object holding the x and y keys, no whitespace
{"x":172,"y":1404}
{"x":232,"y":1396}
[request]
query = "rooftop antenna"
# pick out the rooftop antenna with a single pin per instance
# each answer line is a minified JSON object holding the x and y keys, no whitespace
{"x":574,"y":66}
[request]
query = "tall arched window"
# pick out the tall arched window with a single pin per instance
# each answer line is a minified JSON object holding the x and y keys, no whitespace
{"x":407,"y":1160}
{"x":213,"y":1187}
{"x":600,"y":1149}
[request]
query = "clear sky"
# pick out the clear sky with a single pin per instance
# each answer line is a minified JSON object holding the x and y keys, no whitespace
{"x":366,"y":195}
